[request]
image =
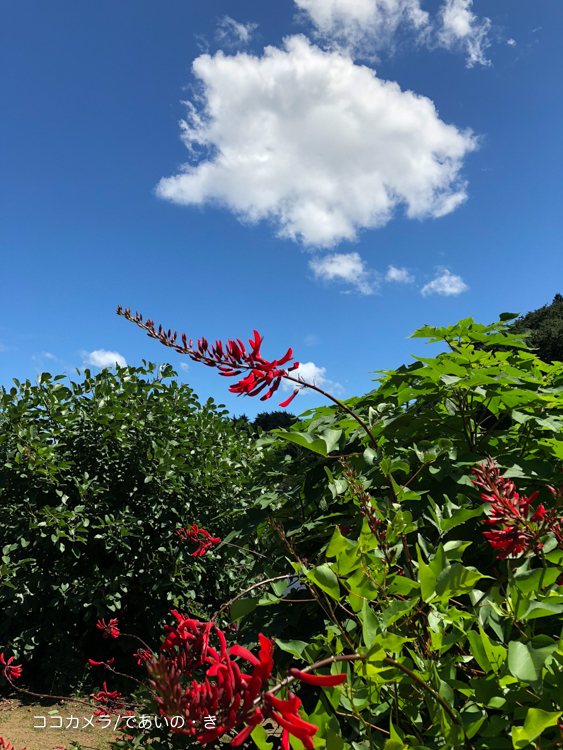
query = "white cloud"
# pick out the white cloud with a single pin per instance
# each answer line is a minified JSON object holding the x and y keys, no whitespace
{"x":365,"y":25}
{"x":317,"y":144}
{"x":344,"y":267}
{"x":311,"y":340}
{"x":184,"y":366}
{"x":103,"y":358}
{"x":230,"y":32}
{"x":399,"y":274}
{"x":50,"y":356}
{"x":461,"y":28}
{"x":511,"y":42}
{"x":445,"y":284}
{"x":310,"y":373}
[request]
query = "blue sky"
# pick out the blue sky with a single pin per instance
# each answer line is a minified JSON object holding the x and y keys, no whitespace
{"x":333,"y":173}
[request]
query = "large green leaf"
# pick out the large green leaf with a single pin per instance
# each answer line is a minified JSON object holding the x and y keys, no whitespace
{"x":243,"y":607}
{"x":325,"y":579}
{"x":526,"y":660}
{"x":456,"y":580}
{"x":323,"y":443}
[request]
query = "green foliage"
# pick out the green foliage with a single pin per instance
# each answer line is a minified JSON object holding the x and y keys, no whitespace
{"x":545,"y":327}
{"x":96,"y":477}
{"x":449,"y":651}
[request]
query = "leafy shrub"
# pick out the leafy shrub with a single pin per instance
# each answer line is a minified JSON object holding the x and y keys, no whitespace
{"x":96,"y":477}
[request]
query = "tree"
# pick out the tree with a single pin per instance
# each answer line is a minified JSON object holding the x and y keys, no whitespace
{"x":545,"y":326}
{"x":274,"y":420}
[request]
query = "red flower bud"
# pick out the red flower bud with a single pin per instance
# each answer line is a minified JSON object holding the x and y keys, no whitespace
{"x":329,"y":680}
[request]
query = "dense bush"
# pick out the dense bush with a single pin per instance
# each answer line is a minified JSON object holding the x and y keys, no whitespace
{"x":96,"y":477}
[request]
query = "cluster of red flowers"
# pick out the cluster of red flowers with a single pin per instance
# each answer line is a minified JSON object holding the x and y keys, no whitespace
{"x":110,"y":630}
{"x":109,"y":700}
{"x":143,"y":656}
{"x":10,"y":671}
{"x":6,"y":745}
{"x":234,"y":697}
{"x":228,"y":359}
{"x":192,"y":534}
{"x":512,"y":513}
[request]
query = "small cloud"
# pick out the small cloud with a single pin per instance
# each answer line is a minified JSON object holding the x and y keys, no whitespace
{"x":462,"y":28}
{"x":232,"y":33}
{"x":310,"y":373}
{"x":347,"y":267}
{"x":535,"y":31}
{"x":399,"y":274}
{"x":103,"y":358}
{"x":311,"y":340}
{"x":184,"y":366}
{"x":511,"y":42}
{"x":50,"y":356}
{"x":446,"y":284}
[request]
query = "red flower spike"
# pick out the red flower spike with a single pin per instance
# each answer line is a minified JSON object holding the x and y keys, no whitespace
{"x":262,"y":373}
{"x":233,"y":697}
{"x":10,"y":671}
{"x":512,"y":514}
{"x":110,"y":630}
{"x":329,"y":680}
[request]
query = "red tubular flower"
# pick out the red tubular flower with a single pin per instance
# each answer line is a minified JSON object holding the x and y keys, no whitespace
{"x":323,"y":680}
{"x":230,"y":360}
{"x":10,"y":671}
{"x":511,"y":513}
{"x":142,"y":656}
{"x":192,"y":535}
{"x":99,"y":663}
{"x":111,"y":700}
{"x":110,"y":630}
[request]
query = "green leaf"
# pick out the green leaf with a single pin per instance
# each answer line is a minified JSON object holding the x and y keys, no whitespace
{"x":456,"y":580}
{"x":396,"y":610}
{"x":526,"y":660}
{"x":334,"y":741}
{"x":243,"y":607}
{"x":323,"y":443}
{"x":472,"y":717}
{"x":326,"y":580}
{"x":292,"y":647}
{"x":533,"y":580}
{"x":541,"y":609}
{"x":538,"y":720}
{"x":439,"y":561}
{"x":427,"y":578}
{"x":460,"y":516}
{"x":370,"y":625}
{"x":260,"y":737}
{"x":478,"y":650}
{"x":496,"y":654}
